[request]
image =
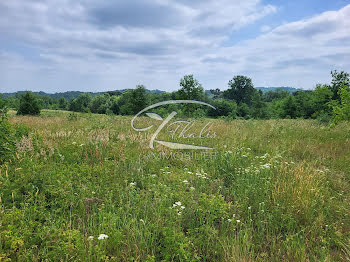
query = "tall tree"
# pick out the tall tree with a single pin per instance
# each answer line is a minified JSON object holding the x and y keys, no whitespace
{"x":190,"y":89}
{"x":241,"y":90}
{"x":339,"y":80}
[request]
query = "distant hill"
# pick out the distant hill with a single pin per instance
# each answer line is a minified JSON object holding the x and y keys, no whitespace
{"x":69,"y":95}
{"x":283,"y":88}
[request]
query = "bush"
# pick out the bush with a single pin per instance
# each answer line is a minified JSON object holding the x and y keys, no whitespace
{"x":28,"y":105}
{"x":341,"y":110}
{"x":7,"y":145}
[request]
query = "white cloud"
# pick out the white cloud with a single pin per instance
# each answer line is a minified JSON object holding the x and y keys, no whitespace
{"x":301,"y":53}
{"x":97,"y":45}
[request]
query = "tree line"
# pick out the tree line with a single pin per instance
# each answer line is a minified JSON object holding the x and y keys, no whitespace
{"x":240,"y":101}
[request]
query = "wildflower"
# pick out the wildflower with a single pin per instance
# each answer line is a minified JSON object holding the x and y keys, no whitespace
{"x":178,"y":213}
{"x":102,"y":236}
{"x":185,"y":181}
{"x":90,"y":237}
{"x":229,"y":220}
{"x":238,"y":221}
{"x":178,"y":203}
{"x":132,"y":184}
{"x":182,"y":207}
{"x":249,"y":208}
{"x":266,"y":166}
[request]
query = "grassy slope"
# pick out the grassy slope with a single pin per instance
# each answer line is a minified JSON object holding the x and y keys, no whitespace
{"x":278,"y":190}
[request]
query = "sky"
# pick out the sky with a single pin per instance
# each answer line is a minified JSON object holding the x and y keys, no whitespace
{"x":89,"y":45}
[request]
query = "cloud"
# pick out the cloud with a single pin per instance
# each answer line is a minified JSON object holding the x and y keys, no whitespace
{"x":300,"y":53}
{"x":118,"y":44}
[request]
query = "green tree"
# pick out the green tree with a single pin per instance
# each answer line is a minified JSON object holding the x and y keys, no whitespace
{"x":100,"y":104}
{"x":258,"y":106}
{"x":28,"y":105}
{"x":223,"y":108}
{"x":339,"y":80}
{"x":241,"y":90}
{"x":243,"y":111}
{"x":322,"y":96}
{"x":341,"y":109}
{"x":289,"y":107}
{"x":190,"y":89}
{"x":133,"y":101}
{"x":81,"y":103}
{"x":114,"y":106}
{"x":62,"y":103}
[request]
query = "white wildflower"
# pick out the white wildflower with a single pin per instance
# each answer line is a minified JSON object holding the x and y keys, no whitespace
{"x":90,"y":237}
{"x":238,"y":221}
{"x":185,"y":181}
{"x":132,"y":184}
{"x":266,"y":166}
{"x":102,"y":236}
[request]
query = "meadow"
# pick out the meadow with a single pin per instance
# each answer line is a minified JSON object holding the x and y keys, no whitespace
{"x":82,"y":188}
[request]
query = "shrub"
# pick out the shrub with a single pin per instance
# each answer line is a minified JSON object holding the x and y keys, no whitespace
{"x":28,"y":105}
{"x":341,"y":110}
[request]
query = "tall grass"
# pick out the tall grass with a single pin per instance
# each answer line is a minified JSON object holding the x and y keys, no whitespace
{"x":278,"y":190}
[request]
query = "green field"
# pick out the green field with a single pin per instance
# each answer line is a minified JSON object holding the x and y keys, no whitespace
{"x":277,"y":190}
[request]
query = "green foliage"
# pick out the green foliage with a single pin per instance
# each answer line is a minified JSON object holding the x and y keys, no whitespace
{"x":133,"y":101}
{"x":341,"y":110}
{"x":243,"y":111}
{"x":99,"y":104}
{"x":241,"y":90}
{"x":7,"y":143}
{"x":223,"y":108}
{"x":289,"y":107}
{"x":28,"y":105}
{"x":190,"y":89}
{"x":241,"y":100}
{"x":62,"y":103}
{"x":339,"y":80}
{"x":81,"y":103}
{"x":9,"y":135}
